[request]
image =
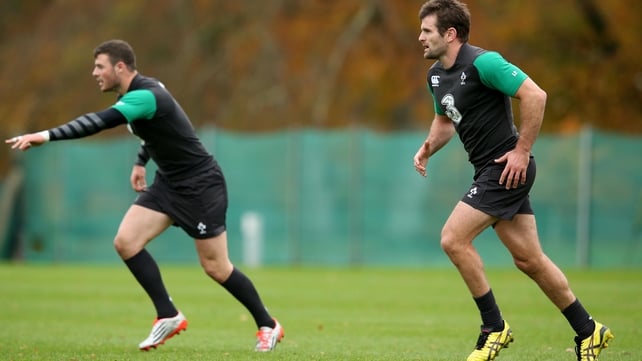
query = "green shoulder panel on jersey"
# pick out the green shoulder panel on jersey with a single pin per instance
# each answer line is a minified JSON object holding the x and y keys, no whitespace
{"x":137,"y":104}
{"x":497,"y":73}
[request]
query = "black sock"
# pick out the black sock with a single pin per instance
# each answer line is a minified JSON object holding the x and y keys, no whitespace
{"x":146,"y":272}
{"x":579,"y":319}
{"x":490,"y":314}
{"x":243,"y":290}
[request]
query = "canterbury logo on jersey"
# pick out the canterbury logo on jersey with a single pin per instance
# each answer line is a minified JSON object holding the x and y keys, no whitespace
{"x":434,"y":80}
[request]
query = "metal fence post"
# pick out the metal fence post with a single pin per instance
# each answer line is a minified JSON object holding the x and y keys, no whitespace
{"x":584,"y":185}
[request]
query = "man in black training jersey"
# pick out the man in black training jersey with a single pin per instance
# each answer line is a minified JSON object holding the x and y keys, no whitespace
{"x":471,"y":89}
{"x":188,"y":191}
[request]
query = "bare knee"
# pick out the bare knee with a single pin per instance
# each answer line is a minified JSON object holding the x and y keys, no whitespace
{"x":450,"y":245}
{"x":219,"y":271}
{"x":126,"y":248}
{"x":121,"y":247}
{"x":531,"y":265}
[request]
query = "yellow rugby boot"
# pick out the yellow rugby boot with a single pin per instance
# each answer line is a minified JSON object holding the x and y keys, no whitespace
{"x":589,"y":348}
{"x":490,"y":343}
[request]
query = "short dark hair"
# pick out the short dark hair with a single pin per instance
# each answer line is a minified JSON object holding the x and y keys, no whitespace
{"x":450,"y":14}
{"x":117,"y":50}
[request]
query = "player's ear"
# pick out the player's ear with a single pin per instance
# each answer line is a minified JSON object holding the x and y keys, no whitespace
{"x":120,"y":66}
{"x":451,"y":34}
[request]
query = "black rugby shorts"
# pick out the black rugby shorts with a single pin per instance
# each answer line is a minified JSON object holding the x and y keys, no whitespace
{"x":492,"y":198}
{"x":197,"y":204}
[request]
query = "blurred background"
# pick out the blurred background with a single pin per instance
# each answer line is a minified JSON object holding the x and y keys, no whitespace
{"x":314,"y":109}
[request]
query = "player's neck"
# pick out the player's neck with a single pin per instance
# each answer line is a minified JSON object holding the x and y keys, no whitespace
{"x":448,"y":59}
{"x":125,"y":82}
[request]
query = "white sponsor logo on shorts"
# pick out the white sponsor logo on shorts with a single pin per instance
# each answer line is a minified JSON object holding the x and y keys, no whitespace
{"x":472,"y":192}
{"x":201,"y":227}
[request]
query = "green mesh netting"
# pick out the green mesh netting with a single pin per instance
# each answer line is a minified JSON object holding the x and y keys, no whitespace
{"x":338,"y":198}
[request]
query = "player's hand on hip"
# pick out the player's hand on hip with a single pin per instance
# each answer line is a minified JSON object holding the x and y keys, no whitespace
{"x":515,"y":170}
{"x":26,"y":141}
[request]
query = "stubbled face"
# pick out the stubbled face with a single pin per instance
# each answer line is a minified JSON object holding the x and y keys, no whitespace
{"x":434,"y":44}
{"x":105,"y":74}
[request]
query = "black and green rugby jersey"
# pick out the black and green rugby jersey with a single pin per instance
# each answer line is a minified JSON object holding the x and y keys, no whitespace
{"x":166,"y":133}
{"x":475,"y":94}
{"x":151,"y":113}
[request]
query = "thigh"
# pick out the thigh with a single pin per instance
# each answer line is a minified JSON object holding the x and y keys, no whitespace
{"x":519,"y":235}
{"x":465,"y":223}
{"x":140,"y":225}
{"x":213,"y":248}
{"x":213,"y":256}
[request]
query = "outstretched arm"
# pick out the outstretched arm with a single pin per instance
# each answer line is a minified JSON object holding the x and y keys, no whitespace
{"x":83,"y":126}
{"x":441,"y":131}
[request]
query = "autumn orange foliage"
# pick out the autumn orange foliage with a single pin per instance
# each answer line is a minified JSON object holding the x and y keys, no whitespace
{"x":256,"y":66}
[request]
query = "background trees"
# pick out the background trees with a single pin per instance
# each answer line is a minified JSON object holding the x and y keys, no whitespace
{"x":255,"y":65}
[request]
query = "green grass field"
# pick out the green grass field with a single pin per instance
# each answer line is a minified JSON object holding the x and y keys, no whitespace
{"x":73,"y":312}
